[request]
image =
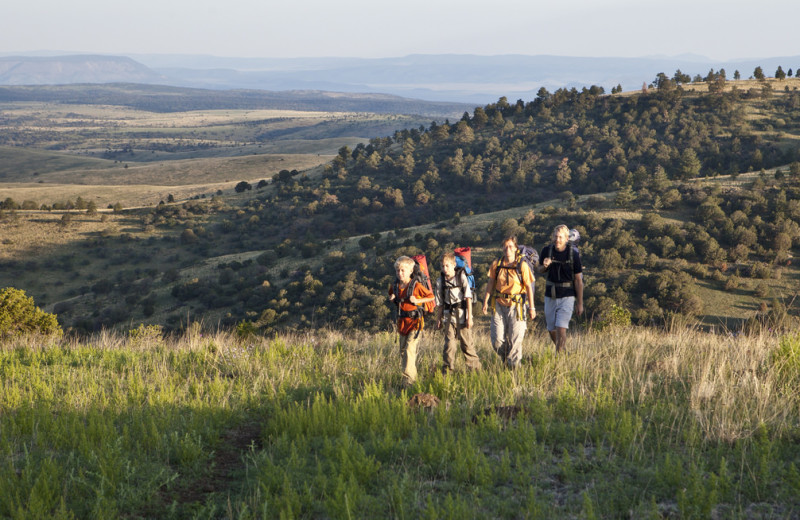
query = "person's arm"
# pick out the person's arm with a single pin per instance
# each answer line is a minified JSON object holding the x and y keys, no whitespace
{"x":468,"y":312}
{"x":489,"y":291}
{"x":419,"y":301}
{"x":529,"y":293}
{"x":578,"y":284}
{"x":438,"y":292}
{"x":541,"y":267}
{"x":421,"y":295}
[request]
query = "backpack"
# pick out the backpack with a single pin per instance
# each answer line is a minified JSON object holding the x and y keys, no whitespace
{"x":464,"y":263}
{"x":528,"y":255}
{"x":421,"y":275}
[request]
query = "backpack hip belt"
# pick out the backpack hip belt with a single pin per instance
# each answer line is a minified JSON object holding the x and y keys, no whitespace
{"x":550,"y":287}
{"x":409,"y":314}
{"x":516,"y":297}
{"x":450,"y":307}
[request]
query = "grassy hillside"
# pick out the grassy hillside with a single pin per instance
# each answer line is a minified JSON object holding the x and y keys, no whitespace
{"x":629,"y":423}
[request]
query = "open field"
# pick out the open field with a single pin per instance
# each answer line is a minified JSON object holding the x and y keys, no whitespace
{"x":52,"y":152}
{"x":629,"y":423}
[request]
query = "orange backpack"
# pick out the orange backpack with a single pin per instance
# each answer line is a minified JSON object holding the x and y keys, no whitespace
{"x":422,"y":275}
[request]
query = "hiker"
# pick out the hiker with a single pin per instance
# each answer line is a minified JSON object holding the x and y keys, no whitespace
{"x":510,"y":281}
{"x":454,"y":310}
{"x":409,"y":296}
{"x":564,"y":287}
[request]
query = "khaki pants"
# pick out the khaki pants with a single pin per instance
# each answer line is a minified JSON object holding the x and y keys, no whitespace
{"x":507,"y":332}
{"x":408,"y":356}
{"x":455,"y":335}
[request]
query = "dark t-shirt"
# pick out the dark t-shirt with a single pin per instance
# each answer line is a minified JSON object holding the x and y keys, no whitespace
{"x":559,"y":271}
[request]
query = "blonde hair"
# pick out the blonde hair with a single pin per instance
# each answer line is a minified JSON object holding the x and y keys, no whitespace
{"x":559,"y":229}
{"x":404,"y":260}
{"x":449,"y":258}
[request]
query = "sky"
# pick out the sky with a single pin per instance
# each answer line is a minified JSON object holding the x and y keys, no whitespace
{"x":720,"y":30}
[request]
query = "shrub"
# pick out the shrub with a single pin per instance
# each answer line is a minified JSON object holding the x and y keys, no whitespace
{"x":613,"y":317}
{"x":19,"y":315}
{"x":243,"y":186}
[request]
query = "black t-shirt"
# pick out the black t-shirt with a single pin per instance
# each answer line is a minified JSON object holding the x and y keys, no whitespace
{"x":559,"y":271}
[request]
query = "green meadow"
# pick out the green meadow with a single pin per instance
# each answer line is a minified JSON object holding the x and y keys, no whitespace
{"x":631,"y":423}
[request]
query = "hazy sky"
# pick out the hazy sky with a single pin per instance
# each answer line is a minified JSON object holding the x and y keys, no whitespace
{"x":721,"y":30}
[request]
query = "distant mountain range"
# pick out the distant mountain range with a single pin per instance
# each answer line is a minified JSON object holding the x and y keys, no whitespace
{"x":453,"y":78}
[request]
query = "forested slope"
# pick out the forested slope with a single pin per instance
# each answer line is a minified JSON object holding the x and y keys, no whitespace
{"x":655,"y":181}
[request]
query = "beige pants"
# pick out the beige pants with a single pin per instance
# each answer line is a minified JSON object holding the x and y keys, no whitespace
{"x":455,"y":335}
{"x":507,"y":332}
{"x":408,"y":356}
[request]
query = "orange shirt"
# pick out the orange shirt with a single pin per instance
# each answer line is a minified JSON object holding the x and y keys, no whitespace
{"x":406,"y":325}
{"x":508,"y":280}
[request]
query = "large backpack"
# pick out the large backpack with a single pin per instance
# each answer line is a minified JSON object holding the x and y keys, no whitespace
{"x":420,"y":274}
{"x":464,"y":263}
{"x":528,"y":255}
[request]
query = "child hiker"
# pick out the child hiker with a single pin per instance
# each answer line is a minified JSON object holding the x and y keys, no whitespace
{"x":409,"y":296}
{"x":510,"y":279}
{"x":454,"y":311}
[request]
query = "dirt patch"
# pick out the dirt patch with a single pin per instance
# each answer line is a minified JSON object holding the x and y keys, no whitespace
{"x":224,"y":472}
{"x":506,"y":413}
{"x":424,"y":401}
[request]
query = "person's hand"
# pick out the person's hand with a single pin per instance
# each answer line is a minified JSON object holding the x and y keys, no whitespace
{"x":439,"y":324}
{"x":391,"y":297}
{"x":413,"y":299}
{"x":579,"y":308}
{"x":485,"y":308}
{"x":469,"y":321}
{"x":531,"y":312}
{"x":546,"y":262}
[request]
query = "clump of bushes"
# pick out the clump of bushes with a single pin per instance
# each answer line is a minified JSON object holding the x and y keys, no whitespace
{"x":19,"y":315}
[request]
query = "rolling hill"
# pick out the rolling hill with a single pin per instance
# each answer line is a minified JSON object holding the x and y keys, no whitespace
{"x":686,"y":196}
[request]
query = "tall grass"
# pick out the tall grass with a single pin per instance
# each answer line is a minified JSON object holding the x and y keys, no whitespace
{"x":629,"y":423}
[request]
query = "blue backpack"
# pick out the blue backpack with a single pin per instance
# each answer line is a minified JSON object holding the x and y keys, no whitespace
{"x":464,"y":263}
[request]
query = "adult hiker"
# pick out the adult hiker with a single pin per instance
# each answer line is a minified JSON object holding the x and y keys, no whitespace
{"x":510,"y":283}
{"x":563,"y":293}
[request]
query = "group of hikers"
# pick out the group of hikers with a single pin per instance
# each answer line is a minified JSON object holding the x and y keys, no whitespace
{"x":509,"y":296}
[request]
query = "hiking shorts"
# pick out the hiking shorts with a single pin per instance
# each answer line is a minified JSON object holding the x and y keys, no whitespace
{"x":558,"y":312}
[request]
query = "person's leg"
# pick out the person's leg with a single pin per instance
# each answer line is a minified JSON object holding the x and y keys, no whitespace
{"x":449,"y":351}
{"x":550,"y":318}
{"x":563,"y":313}
{"x":559,"y":338}
{"x":470,"y":356}
{"x":497,"y":332}
{"x":408,"y":355}
{"x":516,"y":328}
